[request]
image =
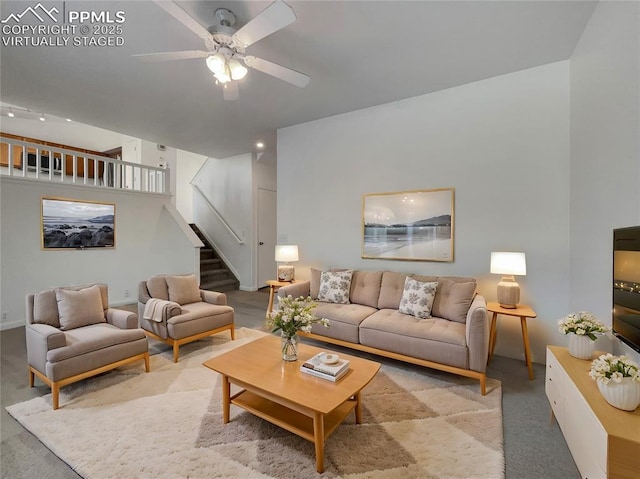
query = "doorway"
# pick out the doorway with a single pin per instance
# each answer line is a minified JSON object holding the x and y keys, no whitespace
{"x":267,"y":229}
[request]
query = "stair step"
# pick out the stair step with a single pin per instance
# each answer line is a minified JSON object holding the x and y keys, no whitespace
{"x":210,"y":264}
{"x":214,"y":272}
{"x":221,"y":285}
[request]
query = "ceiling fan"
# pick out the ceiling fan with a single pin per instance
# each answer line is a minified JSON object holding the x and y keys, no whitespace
{"x":225,"y":46}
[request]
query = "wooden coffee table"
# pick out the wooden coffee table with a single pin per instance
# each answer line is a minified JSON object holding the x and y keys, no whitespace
{"x":276,"y":390}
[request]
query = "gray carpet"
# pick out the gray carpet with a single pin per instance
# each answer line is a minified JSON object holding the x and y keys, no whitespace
{"x":534,"y":446}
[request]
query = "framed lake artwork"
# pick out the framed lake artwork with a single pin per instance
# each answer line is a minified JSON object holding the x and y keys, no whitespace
{"x":77,"y":224}
{"x":408,"y":225}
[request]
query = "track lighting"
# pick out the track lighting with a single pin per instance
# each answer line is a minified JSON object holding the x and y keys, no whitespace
{"x":42,"y":118}
{"x":11,"y":114}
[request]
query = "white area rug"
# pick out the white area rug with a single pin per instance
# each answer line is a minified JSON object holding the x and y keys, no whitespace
{"x":168,"y":424}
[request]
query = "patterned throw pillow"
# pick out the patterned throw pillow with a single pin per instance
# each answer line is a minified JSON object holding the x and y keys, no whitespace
{"x":417,"y":298}
{"x":335,"y":286}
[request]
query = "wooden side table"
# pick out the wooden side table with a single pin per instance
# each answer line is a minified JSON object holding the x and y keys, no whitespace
{"x":274,"y":286}
{"x":521,"y":311}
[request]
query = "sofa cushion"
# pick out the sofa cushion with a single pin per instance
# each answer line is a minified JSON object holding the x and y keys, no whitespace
{"x":344,"y":320}
{"x":314,"y":283}
{"x":45,"y":308}
{"x":79,"y":308}
{"x":183,"y":289}
{"x":335,"y":286}
{"x":365,"y":288}
{"x":453,"y":299}
{"x":417,"y":298}
{"x":157,"y":287}
{"x":393,"y":287}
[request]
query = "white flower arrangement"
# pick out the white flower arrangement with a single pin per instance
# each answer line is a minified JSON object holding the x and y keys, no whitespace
{"x":293,"y":315}
{"x":582,"y":324}
{"x":613,"y":368}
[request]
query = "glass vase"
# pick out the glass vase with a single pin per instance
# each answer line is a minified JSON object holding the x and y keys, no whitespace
{"x":580,"y":346}
{"x":624,"y":395}
{"x":289,"y":343}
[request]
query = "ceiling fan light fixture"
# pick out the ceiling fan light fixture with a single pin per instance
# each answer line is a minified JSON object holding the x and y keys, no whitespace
{"x":223,"y":77}
{"x":217,"y":63}
{"x":238,"y":71}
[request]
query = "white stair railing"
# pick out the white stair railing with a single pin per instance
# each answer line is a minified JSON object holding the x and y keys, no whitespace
{"x":48,"y":163}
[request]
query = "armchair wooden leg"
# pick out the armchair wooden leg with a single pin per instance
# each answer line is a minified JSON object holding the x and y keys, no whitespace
{"x":55,"y":395}
{"x":233,"y":332}
{"x":176,"y":351}
{"x":146,"y":362}
{"x":31,"y":378}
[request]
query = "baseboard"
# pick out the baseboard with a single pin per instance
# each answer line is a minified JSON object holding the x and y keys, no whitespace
{"x":12,"y":324}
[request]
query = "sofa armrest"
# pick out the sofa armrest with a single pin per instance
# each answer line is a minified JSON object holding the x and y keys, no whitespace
{"x":213,"y":297}
{"x":477,"y":334}
{"x":122,"y":319}
{"x":295,"y":290}
{"x":42,"y":338}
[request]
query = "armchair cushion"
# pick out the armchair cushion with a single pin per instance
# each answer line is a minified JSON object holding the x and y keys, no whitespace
{"x":45,"y":308}
{"x":79,"y":308}
{"x":183,"y":289}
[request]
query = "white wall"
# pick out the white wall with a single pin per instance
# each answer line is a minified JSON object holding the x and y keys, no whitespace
{"x":605,"y":150}
{"x":228,"y":186}
{"x":188,"y":165}
{"x":502,"y":143}
{"x":149,"y":241}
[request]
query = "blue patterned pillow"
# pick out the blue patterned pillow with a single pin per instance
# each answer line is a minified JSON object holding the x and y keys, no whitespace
{"x":417,"y":298}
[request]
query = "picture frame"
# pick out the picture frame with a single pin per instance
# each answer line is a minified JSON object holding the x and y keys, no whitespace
{"x":76,"y":224}
{"x":415,"y":225}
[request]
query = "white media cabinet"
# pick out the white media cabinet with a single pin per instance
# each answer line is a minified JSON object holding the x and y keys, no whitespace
{"x":604,"y":441}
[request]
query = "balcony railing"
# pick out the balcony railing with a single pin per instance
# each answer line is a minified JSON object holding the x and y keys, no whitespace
{"x":47,"y":163}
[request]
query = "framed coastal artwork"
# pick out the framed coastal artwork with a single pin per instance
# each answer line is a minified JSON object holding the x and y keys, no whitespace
{"x":77,"y":224}
{"x":408,"y":225}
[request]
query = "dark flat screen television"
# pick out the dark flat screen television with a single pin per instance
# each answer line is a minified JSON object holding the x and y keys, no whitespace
{"x":626,"y":286}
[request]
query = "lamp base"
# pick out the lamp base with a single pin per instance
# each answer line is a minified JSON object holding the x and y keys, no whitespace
{"x":285,"y":272}
{"x":508,"y":293}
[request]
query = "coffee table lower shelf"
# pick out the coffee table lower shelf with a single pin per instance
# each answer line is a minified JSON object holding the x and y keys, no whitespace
{"x":313,"y":427}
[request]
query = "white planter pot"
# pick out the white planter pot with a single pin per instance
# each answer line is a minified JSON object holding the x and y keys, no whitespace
{"x":581,"y":347}
{"x":624,"y":395}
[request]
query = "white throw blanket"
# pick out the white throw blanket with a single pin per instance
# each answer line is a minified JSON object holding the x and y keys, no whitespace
{"x":157,"y":309}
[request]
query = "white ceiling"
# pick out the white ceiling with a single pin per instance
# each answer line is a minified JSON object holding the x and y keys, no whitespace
{"x":357,"y":53}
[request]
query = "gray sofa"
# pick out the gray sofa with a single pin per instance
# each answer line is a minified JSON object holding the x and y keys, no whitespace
{"x":455,"y":338}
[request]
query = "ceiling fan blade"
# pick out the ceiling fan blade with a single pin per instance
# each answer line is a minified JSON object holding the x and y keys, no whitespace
{"x":230,"y":91}
{"x":187,"y":20}
{"x":171,"y":56}
{"x":283,"y":73}
{"x":276,"y":16}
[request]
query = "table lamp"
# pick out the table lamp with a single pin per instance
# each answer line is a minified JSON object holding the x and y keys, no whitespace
{"x":286,"y":253}
{"x":508,"y":264}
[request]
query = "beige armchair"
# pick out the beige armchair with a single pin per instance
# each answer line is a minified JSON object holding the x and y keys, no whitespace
{"x":72,"y":334}
{"x":184,"y":313}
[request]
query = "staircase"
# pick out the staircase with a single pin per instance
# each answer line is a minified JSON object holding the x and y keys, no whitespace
{"x":214,"y":274}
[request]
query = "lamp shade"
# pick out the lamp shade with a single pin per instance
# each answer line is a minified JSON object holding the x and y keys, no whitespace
{"x":286,"y":253}
{"x":508,"y":263}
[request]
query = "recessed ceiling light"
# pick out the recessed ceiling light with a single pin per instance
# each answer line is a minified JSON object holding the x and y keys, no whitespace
{"x":68,"y":119}
{"x":259,"y":145}
{"x":41,"y":117}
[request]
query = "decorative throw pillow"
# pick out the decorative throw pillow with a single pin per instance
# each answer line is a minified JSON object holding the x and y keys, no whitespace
{"x":183,"y":289}
{"x":79,"y":308}
{"x":335,"y":286}
{"x":453,"y":299}
{"x":417,"y":298}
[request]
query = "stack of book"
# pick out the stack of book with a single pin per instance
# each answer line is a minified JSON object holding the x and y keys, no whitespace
{"x":319,"y":366}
